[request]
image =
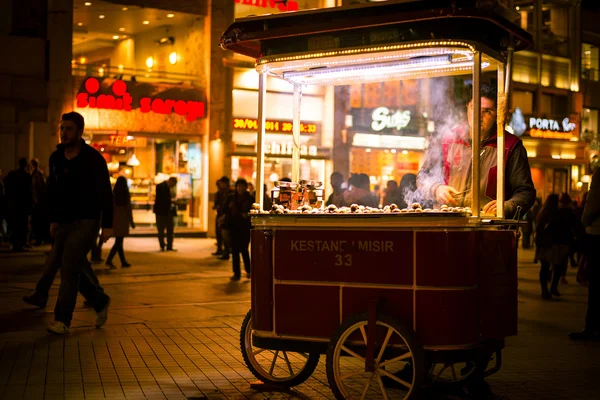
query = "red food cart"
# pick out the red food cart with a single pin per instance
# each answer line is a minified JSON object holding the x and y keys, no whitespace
{"x":396,"y":299}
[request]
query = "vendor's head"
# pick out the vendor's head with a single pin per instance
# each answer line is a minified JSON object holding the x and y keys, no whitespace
{"x":489,"y":98}
{"x":172,"y":181}
{"x":241,"y":186}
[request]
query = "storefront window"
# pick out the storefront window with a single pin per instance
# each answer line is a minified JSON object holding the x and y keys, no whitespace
{"x":589,"y":123}
{"x":523,"y":100}
{"x":146,"y":162}
{"x":589,"y":61}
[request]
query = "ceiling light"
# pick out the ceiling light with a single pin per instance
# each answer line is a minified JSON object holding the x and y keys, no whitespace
{"x":121,"y":29}
{"x":82,"y":60}
{"x":101,"y":16}
{"x":405,"y":152}
{"x":146,"y":22}
{"x":149,"y":62}
{"x":80,"y":24}
{"x":173,"y":58}
{"x":124,"y":8}
{"x":133,"y":161}
{"x":115,"y":37}
{"x":87,"y":3}
{"x":170,"y":15}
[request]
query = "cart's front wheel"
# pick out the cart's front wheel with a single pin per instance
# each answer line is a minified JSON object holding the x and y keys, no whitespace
{"x":398,"y":360}
{"x":450,"y":373}
{"x":275,"y":366}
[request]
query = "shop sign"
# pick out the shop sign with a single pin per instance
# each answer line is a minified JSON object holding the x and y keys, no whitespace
{"x":251,"y":124}
{"x":551,"y":129}
{"x":127,"y":141}
{"x":286,"y":148}
{"x":388,"y":141}
{"x":384,"y":118}
{"x":281,"y":5}
{"x":121,"y":99}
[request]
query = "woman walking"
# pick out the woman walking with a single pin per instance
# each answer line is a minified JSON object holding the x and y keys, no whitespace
{"x":237,"y":222}
{"x":123,"y":218}
{"x":554,"y":234}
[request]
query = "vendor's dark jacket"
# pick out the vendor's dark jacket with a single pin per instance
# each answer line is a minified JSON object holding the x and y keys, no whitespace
{"x":591,"y":212}
{"x":163,"y":205}
{"x":450,"y":164}
{"x":79,"y":188}
{"x":237,"y":212}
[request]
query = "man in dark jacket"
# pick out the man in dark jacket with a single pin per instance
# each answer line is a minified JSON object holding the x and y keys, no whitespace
{"x":19,"y":197}
{"x":237,"y":221}
{"x":223,"y":245}
{"x":79,"y":196}
{"x":446,"y":174}
{"x":165,"y":211}
{"x":591,"y":222}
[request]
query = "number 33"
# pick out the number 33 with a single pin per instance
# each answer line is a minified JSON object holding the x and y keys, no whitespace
{"x":341,"y":260}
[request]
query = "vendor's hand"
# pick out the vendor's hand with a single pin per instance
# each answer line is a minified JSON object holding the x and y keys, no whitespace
{"x":53,"y":227}
{"x":490,"y":208}
{"x":445,"y":195}
{"x":106,"y":234}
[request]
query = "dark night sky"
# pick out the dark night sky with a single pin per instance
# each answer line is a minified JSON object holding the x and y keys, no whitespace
{"x":591,"y":4}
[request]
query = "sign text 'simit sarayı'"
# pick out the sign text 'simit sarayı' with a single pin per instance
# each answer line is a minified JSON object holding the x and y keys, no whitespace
{"x":122,"y":100}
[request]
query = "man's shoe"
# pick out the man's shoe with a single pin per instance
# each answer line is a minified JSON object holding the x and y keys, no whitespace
{"x":584,"y":335}
{"x":171,"y":249}
{"x":36,"y":300}
{"x":102,"y":316}
{"x":125,"y":265}
{"x":216,"y":253}
{"x":58,"y":328}
{"x":555,"y":292}
{"x":110,"y":265}
{"x":234,"y":278}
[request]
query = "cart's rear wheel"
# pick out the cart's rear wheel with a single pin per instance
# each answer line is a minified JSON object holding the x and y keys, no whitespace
{"x":399,"y":360}
{"x":275,"y":366}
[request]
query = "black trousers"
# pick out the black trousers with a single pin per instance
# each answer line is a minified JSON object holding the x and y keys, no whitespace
{"x":165,"y":223}
{"x":117,"y":248}
{"x":18,"y":224}
{"x":592,"y":319}
{"x":240,"y":240}
{"x":558,"y":271}
{"x":219,"y":234}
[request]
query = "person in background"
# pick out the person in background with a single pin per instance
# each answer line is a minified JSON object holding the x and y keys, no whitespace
{"x":360,"y":193}
{"x":164,"y":208}
{"x":223,"y":191}
{"x":19,"y":195}
{"x":591,"y":222}
{"x":237,"y":221}
{"x":39,"y":217}
{"x":391,"y":193}
{"x":555,"y":227}
{"x":408,"y":185}
{"x":79,"y":196}
{"x":251,"y":189}
{"x":337,"y":197}
{"x":268,"y":203}
{"x":123,"y":219}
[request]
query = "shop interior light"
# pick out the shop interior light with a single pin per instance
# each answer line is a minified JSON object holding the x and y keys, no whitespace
{"x":121,"y":29}
{"x":124,"y":8}
{"x":133,"y":161}
{"x":115,"y":37}
{"x":173,"y":58}
{"x":82,"y":60}
{"x":149,"y":62}
{"x":101,"y":16}
{"x":87,"y":4}
{"x":146,"y":22}
{"x":170,"y":15}
{"x":80,"y":24}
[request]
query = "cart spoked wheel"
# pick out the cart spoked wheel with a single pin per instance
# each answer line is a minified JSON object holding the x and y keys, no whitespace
{"x":398,"y":368}
{"x":450,"y":373}
{"x":279,"y":367}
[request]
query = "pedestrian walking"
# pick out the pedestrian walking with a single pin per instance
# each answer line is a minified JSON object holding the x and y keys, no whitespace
{"x":591,"y":222}
{"x":165,"y":210}
{"x":79,"y":196}
{"x":223,"y":242}
{"x":19,"y":196}
{"x":123,"y":219}
{"x":237,"y":222}
{"x":555,"y":232}
{"x":337,"y":197}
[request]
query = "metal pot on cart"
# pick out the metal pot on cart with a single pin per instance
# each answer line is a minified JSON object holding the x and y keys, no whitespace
{"x":395,"y":299}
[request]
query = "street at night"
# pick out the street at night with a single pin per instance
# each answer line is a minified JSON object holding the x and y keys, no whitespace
{"x":173,"y":332}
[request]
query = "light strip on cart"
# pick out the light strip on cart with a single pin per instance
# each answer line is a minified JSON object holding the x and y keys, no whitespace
{"x":367,"y":69}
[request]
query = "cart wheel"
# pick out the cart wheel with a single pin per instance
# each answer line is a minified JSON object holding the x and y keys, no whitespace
{"x":399,"y":361}
{"x":450,"y":373}
{"x":275,"y":366}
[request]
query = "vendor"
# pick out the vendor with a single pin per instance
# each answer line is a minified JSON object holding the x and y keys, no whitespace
{"x":445,"y":177}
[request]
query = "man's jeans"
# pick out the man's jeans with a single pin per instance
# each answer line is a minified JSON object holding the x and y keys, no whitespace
{"x":165,"y":222}
{"x":72,"y":242}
